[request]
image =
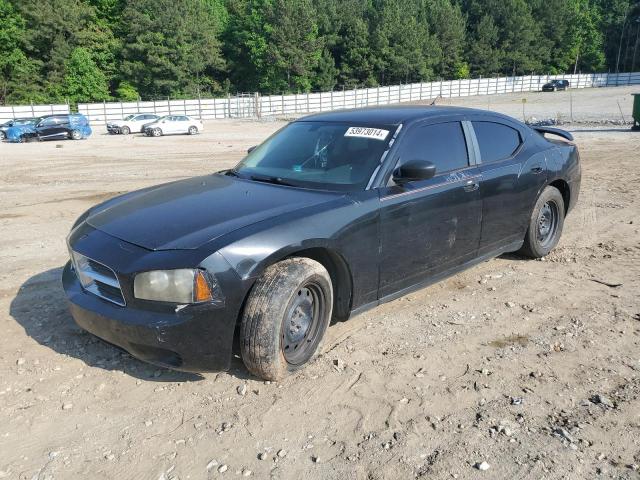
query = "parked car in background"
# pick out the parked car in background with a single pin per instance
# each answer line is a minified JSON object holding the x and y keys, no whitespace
{"x":554,"y":85}
{"x":131,"y":123}
{"x":335,"y":214}
{"x":173,"y":124}
{"x":12,"y":123}
{"x":51,"y":127}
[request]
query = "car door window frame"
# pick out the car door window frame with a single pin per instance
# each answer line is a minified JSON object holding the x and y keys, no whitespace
{"x":471,"y":152}
{"x":477,"y":143}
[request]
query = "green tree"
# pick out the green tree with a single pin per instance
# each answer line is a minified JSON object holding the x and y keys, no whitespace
{"x":448,"y":24}
{"x":171,"y":48}
{"x":484,"y":57}
{"x":18,"y":73}
{"x":404,"y":48}
{"x":83,"y":80}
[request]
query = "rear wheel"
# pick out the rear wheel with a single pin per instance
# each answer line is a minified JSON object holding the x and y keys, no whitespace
{"x":193,"y":130}
{"x":125,"y":131}
{"x":545,"y":224}
{"x":75,"y":135}
{"x":2,"y":135}
{"x":285,"y":318}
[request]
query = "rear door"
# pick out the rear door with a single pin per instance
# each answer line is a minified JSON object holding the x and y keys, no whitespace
{"x":512,"y":175}
{"x":430,"y":226}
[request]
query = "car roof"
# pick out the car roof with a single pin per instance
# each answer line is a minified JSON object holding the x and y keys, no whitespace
{"x":393,"y":115}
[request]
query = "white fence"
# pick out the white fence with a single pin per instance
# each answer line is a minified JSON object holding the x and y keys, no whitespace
{"x":9,"y":112}
{"x":255,"y":105}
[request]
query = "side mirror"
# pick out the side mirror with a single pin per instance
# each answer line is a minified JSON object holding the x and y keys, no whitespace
{"x":414,"y":170}
{"x":251,"y":149}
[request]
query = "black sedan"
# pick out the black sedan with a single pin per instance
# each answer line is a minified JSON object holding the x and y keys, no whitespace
{"x":554,"y":85}
{"x":332,"y":215}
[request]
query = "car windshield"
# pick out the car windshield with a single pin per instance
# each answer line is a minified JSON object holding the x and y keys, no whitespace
{"x":130,"y":117}
{"x":24,"y":121}
{"x":322,"y":155}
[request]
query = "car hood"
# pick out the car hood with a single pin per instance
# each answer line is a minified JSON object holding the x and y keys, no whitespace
{"x":189,"y":213}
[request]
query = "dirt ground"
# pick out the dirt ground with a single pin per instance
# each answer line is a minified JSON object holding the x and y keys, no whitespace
{"x":530,"y":366}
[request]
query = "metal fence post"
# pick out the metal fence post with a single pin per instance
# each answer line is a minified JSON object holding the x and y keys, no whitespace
{"x":104,"y":110}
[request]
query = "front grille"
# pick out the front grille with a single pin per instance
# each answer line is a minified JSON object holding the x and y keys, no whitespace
{"x":98,"y":279}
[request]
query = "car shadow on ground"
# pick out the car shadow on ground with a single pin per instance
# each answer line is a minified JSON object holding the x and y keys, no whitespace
{"x":40,"y":307}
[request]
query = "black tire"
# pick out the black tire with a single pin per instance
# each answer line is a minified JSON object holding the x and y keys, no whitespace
{"x":193,"y":130}
{"x":2,"y":135}
{"x":545,"y":224}
{"x":125,"y":131}
{"x":156,"y":132}
{"x":75,"y":135}
{"x":285,"y":317}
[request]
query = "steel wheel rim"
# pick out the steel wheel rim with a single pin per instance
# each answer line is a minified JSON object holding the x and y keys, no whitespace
{"x":301,"y":326}
{"x":547,"y":223}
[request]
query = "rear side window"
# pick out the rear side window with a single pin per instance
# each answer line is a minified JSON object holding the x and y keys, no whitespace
{"x":496,"y":141}
{"x":442,"y":144}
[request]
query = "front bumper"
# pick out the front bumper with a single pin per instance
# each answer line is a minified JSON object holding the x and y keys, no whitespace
{"x":195,"y":338}
{"x":192,"y":338}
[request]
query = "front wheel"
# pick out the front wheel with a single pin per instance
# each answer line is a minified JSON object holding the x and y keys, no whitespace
{"x":193,"y":130}
{"x":156,"y":132}
{"x":125,"y":131}
{"x":545,"y":224}
{"x":285,"y":318}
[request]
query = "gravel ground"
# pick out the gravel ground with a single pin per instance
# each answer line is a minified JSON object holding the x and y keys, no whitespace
{"x":513,"y":369}
{"x":596,"y":105}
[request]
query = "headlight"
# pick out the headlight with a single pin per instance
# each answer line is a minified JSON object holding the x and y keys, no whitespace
{"x":175,"y":286}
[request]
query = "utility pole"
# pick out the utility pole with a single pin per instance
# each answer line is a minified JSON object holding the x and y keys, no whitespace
{"x":635,"y":48}
{"x":624,"y":24}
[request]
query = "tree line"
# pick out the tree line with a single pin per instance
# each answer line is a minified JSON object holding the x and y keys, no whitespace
{"x":95,"y":50}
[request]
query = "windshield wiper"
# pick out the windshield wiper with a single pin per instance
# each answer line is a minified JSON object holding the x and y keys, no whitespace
{"x":232,"y":172}
{"x":274,"y":180}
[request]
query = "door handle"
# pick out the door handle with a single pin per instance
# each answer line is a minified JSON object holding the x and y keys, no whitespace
{"x":471,"y":186}
{"x":536,"y":170}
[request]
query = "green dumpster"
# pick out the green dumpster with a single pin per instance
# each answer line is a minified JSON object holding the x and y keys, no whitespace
{"x":636,"y":111}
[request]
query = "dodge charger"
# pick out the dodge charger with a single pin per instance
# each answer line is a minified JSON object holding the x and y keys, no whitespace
{"x":332,"y":215}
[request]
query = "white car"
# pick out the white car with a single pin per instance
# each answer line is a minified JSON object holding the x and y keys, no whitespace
{"x":131,"y":123}
{"x":172,"y":124}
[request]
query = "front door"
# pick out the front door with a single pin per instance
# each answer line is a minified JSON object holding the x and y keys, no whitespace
{"x":430,"y":226}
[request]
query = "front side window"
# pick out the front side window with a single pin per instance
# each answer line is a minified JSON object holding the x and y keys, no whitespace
{"x":48,"y":122}
{"x":442,"y":144}
{"x":323,"y":155}
{"x":496,"y":140}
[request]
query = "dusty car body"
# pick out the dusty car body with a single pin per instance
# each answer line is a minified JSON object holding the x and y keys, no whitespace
{"x":133,"y":123}
{"x":173,"y":125}
{"x":363,"y":206}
